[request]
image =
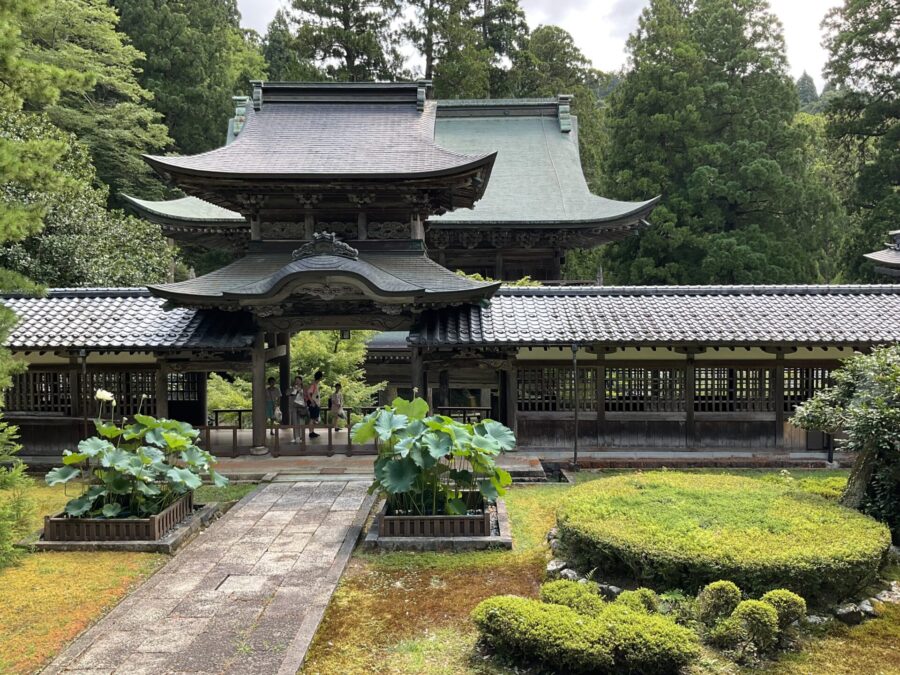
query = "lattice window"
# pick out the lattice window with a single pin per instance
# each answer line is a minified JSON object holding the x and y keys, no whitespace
{"x":551,"y":389}
{"x":129,"y":389}
{"x":184,"y":386}
{"x":720,"y":389}
{"x":644,"y":389}
{"x":41,"y":391}
{"x":801,"y":383}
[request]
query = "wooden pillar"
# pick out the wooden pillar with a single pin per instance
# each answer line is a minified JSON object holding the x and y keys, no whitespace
{"x":417,"y":373}
{"x":601,"y":398}
{"x":778,"y":391}
{"x":690,"y":388}
{"x":162,"y":389}
{"x":284,"y":377}
{"x":258,"y":369}
{"x":443,"y":397}
{"x":509,"y":399}
{"x":484,"y":399}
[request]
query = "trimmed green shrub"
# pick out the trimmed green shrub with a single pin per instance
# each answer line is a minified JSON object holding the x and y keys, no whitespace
{"x":583,"y":598}
{"x":641,"y":600}
{"x":618,"y":640}
{"x":684,"y":530}
{"x":757,"y":622}
{"x":717,"y":601}
{"x":790,"y":607}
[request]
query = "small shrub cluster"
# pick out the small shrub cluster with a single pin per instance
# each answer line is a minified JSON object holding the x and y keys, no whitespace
{"x":574,"y":630}
{"x":748,"y":628}
{"x":684,"y":530}
{"x":16,"y":507}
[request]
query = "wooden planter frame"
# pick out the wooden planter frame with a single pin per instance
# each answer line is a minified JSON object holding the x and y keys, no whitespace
{"x":63,"y":528}
{"x":434,"y":526}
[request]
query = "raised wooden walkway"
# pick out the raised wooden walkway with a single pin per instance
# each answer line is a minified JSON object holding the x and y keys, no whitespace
{"x":244,"y":597}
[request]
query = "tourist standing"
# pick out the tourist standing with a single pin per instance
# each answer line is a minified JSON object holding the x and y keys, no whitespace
{"x":273,"y":412}
{"x":312,"y":402}
{"x":336,"y":406}
{"x":299,"y":408}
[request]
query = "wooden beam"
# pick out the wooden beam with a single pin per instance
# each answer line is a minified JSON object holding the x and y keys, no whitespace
{"x":276,"y":352}
{"x":258,"y":373}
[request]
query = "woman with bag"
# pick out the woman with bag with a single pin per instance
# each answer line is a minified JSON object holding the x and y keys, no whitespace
{"x":299,"y":409}
{"x":273,"y":411}
{"x":312,"y":403}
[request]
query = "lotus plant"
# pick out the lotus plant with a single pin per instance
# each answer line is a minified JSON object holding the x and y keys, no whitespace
{"x":136,"y":469}
{"x":433,"y":464}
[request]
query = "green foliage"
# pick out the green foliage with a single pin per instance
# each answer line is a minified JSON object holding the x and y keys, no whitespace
{"x":863,"y":112}
{"x":430,"y":464}
{"x":864,"y":406}
{"x":563,"y":640}
{"x":223,"y":394}
{"x":705,"y":118}
{"x":640,"y":600}
{"x":685,"y":530}
{"x":524,"y":282}
{"x":16,"y":506}
{"x":583,"y":598}
{"x":789,"y":606}
{"x":195,"y":58}
{"x":806,"y":91}
{"x":755,"y":622}
{"x":82,"y":243}
{"x":134,"y":470}
{"x":351,"y":40}
{"x":111,"y":114}
{"x":717,"y":601}
{"x":284,"y":55}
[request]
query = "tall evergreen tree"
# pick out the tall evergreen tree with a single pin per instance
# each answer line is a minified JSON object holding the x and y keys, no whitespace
{"x":705,"y":117}
{"x":863,"y":41}
{"x":352,"y":40}
{"x":284,"y":55}
{"x":113,"y":115}
{"x":806,"y":91}
{"x":194,"y":55}
{"x":504,"y":32}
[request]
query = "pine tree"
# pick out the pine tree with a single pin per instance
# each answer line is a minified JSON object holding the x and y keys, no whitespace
{"x":705,"y":117}
{"x":806,"y":91}
{"x":113,"y":116}
{"x":284,"y":55}
{"x":863,"y":40}
{"x":504,"y":32}
{"x":195,"y":58}
{"x":351,"y":40}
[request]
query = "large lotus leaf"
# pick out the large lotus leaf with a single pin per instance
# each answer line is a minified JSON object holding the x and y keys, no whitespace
{"x":155,"y":437}
{"x":116,"y":483}
{"x":194,"y":457}
{"x":456,"y":507}
{"x":116,"y":458}
{"x":94,"y":446}
{"x":147,"y":420}
{"x":438,"y":443}
{"x":399,"y":475}
{"x":501,"y":479}
{"x":151,"y":455}
{"x":182,"y":428}
{"x":485,"y":444}
{"x":184,"y":478}
{"x":488,"y":490}
{"x":415,"y":428}
{"x":422,"y":457}
{"x":364,"y":431}
{"x":462,"y":436}
{"x":70,"y":457}
{"x":381,"y":467}
{"x":218,"y":479}
{"x":504,"y":436}
{"x":464,"y":478}
{"x":111,"y":510}
{"x":176,"y":441}
{"x":108,"y":430}
{"x":133,"y":431}
{"x":416,"y":409}
{"x":403,"y":446}
{"x":61,"y":474}
{"x":148,"y":489}
{"x":79,"y":506}
{"x":96,"y":491}
{"x":388,"y":422}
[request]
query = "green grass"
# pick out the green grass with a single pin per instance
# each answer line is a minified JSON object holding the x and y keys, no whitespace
{"x":230,"y":493}
{"x":408,"y":613}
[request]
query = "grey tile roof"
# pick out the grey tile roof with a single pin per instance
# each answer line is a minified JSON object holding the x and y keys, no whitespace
{"x":671,"y":316}
{"x":386,"y":271}
{"x":188,"y":209}
{"x":320,"y":139}
{"x":888,"y":257}
{"x":119,"y":319}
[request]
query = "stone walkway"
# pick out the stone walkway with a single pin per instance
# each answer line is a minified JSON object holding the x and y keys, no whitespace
{"x":244,"y":597}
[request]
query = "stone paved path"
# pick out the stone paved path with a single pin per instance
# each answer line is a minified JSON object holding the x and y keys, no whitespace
{"x":244,"y":597}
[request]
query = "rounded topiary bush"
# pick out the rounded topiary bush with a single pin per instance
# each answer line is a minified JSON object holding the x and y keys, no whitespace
{"x":789,"y":606}
{"x":641,"y":599}
{"x":583,"y":598}
{"x":717,"y":601}
{"x":757,"y":622}
{"x":684,"y":530}
{"x":617,"y":640}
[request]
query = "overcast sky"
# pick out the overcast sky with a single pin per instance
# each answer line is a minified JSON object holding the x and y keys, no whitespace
{"x":600,"y":27}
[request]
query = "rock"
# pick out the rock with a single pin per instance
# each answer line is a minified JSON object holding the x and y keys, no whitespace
{"x":555,"y":566}
{"x":583,"y":580}
{"x":866,"y":608}
{"x":817,"y":620}
{"x":849,"y":614}
{"x":570,"y":575}
{"x":553,"y":534}
{"x":889,"y":596}
{"x":895,"y":586}
{"x":554,"y":545}
{"x":609,"y":591}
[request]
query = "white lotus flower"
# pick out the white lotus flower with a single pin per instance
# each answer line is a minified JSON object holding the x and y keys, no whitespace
{"x":103,"y":395}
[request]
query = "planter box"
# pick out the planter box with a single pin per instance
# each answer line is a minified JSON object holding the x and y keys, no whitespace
{"x":433,"y":526}
{"x":62,"y":528}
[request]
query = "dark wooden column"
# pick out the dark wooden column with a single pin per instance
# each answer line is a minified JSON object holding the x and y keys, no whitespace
{"x":601,"y":397}
{"x":690,"y":390}
{"x":258,"y":377}
{"x":778,"y":391}
{"x":284,"y":376}
{"x":510,"y":391}
{"x":162,"y":389}
{"x":417,"y":373}
{"x":443,"y":392}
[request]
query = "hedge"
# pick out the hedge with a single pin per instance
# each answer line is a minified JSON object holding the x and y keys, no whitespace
{"x":684,"y":530}
{"x":583,"y":598}
{"x":617,"y":640}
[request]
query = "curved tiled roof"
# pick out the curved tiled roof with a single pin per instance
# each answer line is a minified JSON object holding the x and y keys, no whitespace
{"x":186,"y":209}
{"x":119,"y":319}
{"x":671,"y":316}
